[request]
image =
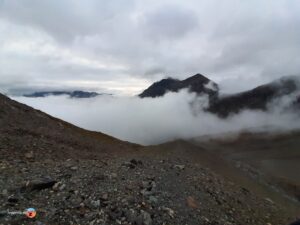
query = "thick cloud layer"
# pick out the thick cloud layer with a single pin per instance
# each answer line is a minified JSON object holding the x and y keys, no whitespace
{"x":122,"y":46}
{"x":153,"y":121}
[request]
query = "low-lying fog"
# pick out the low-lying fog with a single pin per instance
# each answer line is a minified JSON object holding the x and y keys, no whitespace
{"x":152,"y":121}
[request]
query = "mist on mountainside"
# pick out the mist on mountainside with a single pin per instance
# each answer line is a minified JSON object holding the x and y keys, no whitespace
{"x":172,"y":116}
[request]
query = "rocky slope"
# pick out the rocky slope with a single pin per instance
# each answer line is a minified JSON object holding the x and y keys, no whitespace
{"x":74,"y":176}
{"x":272,"y":158}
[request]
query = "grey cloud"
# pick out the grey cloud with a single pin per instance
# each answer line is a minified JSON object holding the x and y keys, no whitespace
{"x":228,"y":41}
{"x":65,"y":19}
{"x":154,"y":71}
{"x":169,"y":22}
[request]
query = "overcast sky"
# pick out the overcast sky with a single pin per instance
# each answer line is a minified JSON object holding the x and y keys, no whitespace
{"x":121,"y":47}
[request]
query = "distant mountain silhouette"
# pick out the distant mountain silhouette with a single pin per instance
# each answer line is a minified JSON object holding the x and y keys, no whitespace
{"x":255,"y":99}
{"x":72,"y":94}
{"x":197,"y":83}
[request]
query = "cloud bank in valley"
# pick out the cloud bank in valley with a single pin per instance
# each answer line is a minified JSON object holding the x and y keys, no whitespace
{"x":152,"y":121}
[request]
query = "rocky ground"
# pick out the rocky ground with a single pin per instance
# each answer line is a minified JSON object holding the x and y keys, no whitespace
{"x":73,"y":176}
{"x":140,"y":190}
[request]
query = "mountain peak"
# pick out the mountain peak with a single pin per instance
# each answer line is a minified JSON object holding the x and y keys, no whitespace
{"x":196,"y":83}
{"x":198,"y":76}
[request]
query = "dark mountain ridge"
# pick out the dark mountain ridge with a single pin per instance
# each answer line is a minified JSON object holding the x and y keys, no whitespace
{"x":258,"y":98}
{"x":197,"y":83}
{"x":71,"y":94}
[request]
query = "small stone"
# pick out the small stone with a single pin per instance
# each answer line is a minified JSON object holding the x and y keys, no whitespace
{"x":29,"y":155}
{"x":170,"y":212}
{"x":130,"y":165}
{"x":62,"y":187}
{"x":12,"y":199}
{"x":146,"y":193}
{"x":37,"y":185}
{"x":113,"y":175}
{"x":145,"y":184}
{"x":191,"y":202}
{"x":152,"y":199}
{"x":25,"y":169}
{"x":74,"y":168}
{"x":40,"y":223}
{"x":205,"y":219}
{"x":133,"y":161}
{"x":104,"y":197}
{"x":56,"y":186}
{"x":76,"y":201}
{"x":269,"y":200}
{"x":100,"y":177}
{"x":131,"y":215}
{"x":4,"y":192}
{"x":95,"y":204}
{"x":136,"y":162}
{"x":180,"y":167}
{"x":144,"y":218}
{"x":82,"y":209}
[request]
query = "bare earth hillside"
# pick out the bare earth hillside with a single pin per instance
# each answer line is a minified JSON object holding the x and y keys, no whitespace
{"x":73,"y":176}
